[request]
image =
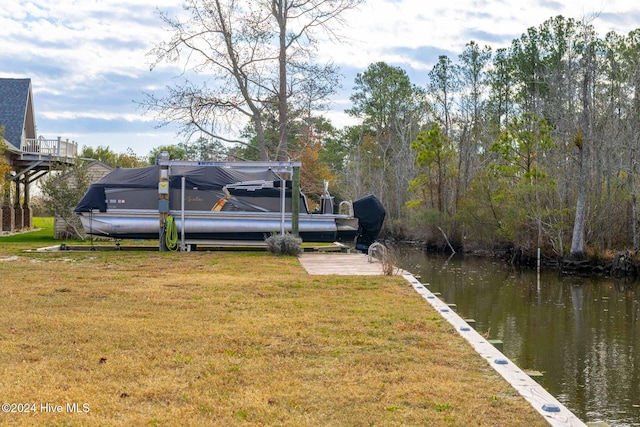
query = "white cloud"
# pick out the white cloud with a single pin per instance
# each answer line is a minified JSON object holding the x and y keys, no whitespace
{"x":88,"y":58}
{"x":99,"y":115}
{"x":140,"y":142}
{"x":380,"y":26}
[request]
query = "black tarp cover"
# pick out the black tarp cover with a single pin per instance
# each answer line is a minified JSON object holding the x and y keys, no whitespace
{"x":197,"y":177}
{"x":370,"y":214}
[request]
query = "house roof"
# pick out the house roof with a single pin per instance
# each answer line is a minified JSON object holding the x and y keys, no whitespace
{"x":15,"y":103}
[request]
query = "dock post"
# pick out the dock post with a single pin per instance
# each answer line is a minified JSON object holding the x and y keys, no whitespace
{"x":163,"y":200}
{"x":295,"y":201}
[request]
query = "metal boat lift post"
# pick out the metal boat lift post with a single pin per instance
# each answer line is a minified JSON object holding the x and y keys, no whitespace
{"x":163,"y":200}
{"x":287,"y":167}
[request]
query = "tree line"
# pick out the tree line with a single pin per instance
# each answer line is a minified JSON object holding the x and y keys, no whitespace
{"x":532,"y":145}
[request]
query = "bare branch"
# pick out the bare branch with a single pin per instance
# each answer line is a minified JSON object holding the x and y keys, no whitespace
{"x":252,"y":54}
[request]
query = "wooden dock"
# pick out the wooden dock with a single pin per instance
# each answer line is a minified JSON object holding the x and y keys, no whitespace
{"x":341,"y":264}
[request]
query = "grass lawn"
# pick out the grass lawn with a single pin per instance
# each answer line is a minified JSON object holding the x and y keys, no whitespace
{"x":231,"y":339}
{"x":42,"y":234}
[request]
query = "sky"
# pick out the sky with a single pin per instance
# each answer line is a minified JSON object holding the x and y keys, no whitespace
{"x":89,"y":61}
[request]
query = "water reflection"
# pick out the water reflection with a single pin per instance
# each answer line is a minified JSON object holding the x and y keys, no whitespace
{"x":581,"y":333}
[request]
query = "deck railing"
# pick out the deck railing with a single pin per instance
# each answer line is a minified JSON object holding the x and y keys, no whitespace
{"x":50,"y":147}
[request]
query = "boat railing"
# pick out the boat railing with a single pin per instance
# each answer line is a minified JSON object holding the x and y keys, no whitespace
{"x":50,"y":147}
{"x":345,"y":205}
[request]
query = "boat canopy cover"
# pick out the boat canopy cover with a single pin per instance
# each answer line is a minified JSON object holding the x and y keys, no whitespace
{"x":197,"y":177}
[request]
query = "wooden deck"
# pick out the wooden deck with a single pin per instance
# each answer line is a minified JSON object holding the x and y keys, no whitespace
{"x":341,"y":264}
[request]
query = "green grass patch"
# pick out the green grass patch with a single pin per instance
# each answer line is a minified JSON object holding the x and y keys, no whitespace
{"x":41,"y":233}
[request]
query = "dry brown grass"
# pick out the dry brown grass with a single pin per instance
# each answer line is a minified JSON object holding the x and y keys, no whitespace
{"x":232,"y":339}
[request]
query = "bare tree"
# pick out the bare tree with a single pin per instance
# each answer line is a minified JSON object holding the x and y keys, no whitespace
{"x":583,"y":140}
{"x":246,"y":54}
{"x":472,"y":72}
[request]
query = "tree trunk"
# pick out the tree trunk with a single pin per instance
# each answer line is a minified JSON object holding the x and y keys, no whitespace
{"x":577,"y":243}
{"x":632,"y":161}
{"x":280,"y":10}
{"x":634,"y":223}
{"x":262,"y":148}
{"x":582,"y":142}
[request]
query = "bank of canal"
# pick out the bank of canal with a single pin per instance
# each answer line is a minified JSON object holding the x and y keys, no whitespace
{"x":583,"y":334}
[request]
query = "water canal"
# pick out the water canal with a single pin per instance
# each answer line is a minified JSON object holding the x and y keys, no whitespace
{"x":583,"y":334}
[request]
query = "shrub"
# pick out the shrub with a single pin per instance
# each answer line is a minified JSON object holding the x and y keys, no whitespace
{"x":286,"y":244}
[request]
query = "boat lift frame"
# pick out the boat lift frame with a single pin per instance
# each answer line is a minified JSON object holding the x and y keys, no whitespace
{"x":287,"y":167}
